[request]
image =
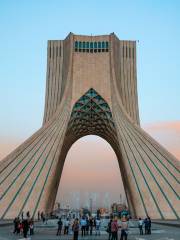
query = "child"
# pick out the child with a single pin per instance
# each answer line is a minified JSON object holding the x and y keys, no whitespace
{"x":31,"y":226}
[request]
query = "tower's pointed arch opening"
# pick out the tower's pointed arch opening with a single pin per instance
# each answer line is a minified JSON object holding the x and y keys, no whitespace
{"x":91,"y":115}
{"x":90,"y":172}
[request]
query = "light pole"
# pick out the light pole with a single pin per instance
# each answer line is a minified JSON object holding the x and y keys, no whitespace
{"x":90,"y":205}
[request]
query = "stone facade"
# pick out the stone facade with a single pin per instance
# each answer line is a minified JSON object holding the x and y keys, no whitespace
{"x":91,"y":88}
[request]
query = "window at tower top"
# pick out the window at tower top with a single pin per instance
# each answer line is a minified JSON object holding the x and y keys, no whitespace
{"x":91,"y":47}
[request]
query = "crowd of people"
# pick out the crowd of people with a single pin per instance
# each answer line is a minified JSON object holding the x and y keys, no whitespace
{"x":85,"y":225}
{"x":24,"y":225}
{"x":113,"y":228}
{"x":146,"y":223}
{"x":88,"y":225}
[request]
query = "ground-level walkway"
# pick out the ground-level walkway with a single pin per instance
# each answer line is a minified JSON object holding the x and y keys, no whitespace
{"x":48,"y":232}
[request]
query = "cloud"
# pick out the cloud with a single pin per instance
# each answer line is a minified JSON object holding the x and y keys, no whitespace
{"x":173,"y":126}
{"x":7,"y":145}
{"x":167,"y":134}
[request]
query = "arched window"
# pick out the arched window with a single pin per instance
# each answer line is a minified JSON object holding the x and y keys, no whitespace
{"x":87,"y":46}
{"x":80,"y":46}
{"x":99,"y":46}
{"x":76,"y":46}
{"x":107,"y":46}
{"x":84,"y":46}
{"x":103,"y":46}
{"x":91,"y":47}
{"x":95,"y":46}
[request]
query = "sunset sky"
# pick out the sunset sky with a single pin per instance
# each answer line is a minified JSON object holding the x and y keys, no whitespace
{"x":25,"y":28}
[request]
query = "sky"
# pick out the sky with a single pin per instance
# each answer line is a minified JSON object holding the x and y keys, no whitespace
{"x":25,"y":28}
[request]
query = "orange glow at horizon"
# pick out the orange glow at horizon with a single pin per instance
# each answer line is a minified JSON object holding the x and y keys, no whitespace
{"x":167,"y":134}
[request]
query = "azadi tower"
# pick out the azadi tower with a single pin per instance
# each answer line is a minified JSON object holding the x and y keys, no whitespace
{"x":91,"y":88}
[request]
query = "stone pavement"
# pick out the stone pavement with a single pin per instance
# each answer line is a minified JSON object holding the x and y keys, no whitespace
{"x":175,"y":223}
{"x":48,"y":232}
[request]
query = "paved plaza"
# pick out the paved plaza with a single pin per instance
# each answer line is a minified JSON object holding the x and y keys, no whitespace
{"x":48,"y":232}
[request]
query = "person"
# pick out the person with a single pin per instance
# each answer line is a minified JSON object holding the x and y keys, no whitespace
{"x":25,"y":227}
{"x":38,"y":215}
{"x":21,"y":228}
{"x":59,"y":227}
{"x":43,"y":217}
{"x":15,"y":225}
{"x":28,"y":215}
{"x":83,"y":226}
{"x":109,"y":229}
{"x":87,"y":226}
{"x":42,"y":214}
{"x":146,"y":225}
{"x":98,"y":224}
{"x":94,"y":222}
{"x":18,"y":225}
{"x":66,"y":227}
{"x":124,"y":228}
{"x":91,"y":223}
{"x":22,"y":215}
{"x":31,"y":226}
{"x":140,"y":225}
{"x":149,"y":225}
{"x":75,"y":229}
{"x":114,"y":229}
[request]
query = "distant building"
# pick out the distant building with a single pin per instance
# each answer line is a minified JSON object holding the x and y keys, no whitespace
{"x":103,"y":211}
{"x":118,"y":209}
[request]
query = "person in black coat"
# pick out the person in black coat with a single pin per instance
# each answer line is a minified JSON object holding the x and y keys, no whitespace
{"x":149,"y":225}
{"x":109,"y":229}
{"x":146,"y":225}
{"x":91,"y":224}
{"x":60,"y":223}
{"x":25,"y":227}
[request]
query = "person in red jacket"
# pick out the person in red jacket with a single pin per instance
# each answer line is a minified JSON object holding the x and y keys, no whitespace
{"x":114,"y":229}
